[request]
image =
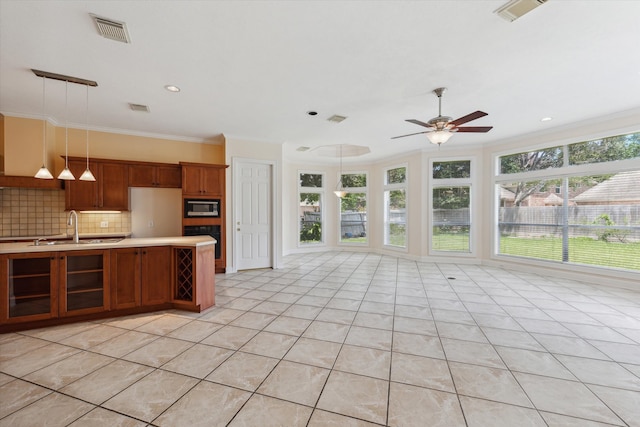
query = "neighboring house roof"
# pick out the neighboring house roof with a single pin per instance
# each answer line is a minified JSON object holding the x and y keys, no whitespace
{"x":622,"y":187}
{"x":553,"y":200}
{"x":507,"y":194}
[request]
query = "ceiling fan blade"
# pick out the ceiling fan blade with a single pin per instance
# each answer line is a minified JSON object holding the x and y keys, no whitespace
{"x":468,"y":118}
{"x":411,"y":134}
{"x":419,"y":123}
{"x":474,"y":129}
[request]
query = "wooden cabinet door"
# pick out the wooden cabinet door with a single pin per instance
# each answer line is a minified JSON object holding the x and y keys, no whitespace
{"x":81,"y":195}
{"x":114,"y":186}
{"x":142,"y":176}
{"x":162,"y":176}
{"x":125,"y":278}
{"x":169,"y":176}
{"x":212,"y":180}
{"x":156,"y":275}
{"x":191,"y":180}
{"x":29,"y":286}
{"x":84,"y":282}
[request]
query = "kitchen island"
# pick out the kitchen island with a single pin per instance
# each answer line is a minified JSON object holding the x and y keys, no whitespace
{"x":51,"y":282}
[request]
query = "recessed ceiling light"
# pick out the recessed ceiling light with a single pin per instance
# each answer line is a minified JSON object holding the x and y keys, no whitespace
{"x":546,"y":119}
{"x":172,"y":88}
{"x":312,"y":113}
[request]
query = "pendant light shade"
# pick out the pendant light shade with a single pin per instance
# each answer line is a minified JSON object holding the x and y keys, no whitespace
{"x":43,"y":172}
{"x":87,"y":175}
{"x":340,"y":192}
{"x":66,"y":173}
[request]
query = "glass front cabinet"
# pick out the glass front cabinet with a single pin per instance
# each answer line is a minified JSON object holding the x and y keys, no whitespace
{"x":83,"y":282}
{"x":38,"y":286}
{"x":30,"y":283}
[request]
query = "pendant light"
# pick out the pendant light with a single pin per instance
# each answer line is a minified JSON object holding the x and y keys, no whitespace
{"x":43,"y":172}
{"x":339,"y":188}
{"x":66,"y":173}
{"x":87,"y":175}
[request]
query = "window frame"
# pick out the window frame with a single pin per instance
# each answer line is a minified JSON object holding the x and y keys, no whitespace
{"x":315,"y":190}
{"x":563,"y":173}
{"x":364,"y":190}
{"x":454,"y":182}
{"x":391,"y":187}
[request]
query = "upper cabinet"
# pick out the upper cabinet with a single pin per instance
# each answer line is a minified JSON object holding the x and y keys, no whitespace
{"x":155,"y":175}
{"x":110,"y":190}
{"x":202,"y":180}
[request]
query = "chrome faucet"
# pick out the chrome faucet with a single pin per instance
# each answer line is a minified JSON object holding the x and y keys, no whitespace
{"x":73,"y":220}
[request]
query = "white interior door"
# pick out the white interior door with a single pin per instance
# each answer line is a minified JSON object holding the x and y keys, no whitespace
{"x":253,"y":215}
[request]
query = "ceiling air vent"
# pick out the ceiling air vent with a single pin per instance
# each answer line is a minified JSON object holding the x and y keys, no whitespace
{"x":516,"y":8}
{"x":111,"y":29}
{"x":336,"y":118}
{"x":139,"y":107}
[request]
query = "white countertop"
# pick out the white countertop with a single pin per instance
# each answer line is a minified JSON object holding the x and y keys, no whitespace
{"x":29,"y":247}
{"x":64,"y":236}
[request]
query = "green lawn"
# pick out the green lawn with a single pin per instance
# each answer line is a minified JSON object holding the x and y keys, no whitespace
{"x":450,"y":242}
{"x":581,"y":250}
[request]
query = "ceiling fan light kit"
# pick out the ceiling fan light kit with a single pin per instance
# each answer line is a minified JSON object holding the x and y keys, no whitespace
{"x":441,"y":128}
{"x":439,"y":136}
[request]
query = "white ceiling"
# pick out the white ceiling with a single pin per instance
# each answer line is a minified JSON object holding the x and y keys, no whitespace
{"x":252,"y":69}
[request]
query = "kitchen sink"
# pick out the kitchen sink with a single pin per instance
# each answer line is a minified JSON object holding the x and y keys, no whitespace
{"x":71,"y":242}
{"x":113,"y":240}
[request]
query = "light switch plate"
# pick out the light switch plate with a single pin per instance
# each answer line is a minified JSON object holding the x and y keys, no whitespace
{"x":104,"y":224}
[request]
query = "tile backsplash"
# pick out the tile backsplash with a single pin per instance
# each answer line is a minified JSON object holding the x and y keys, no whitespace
{"x":40,"y":212}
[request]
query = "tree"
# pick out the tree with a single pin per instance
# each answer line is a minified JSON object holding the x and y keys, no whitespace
{"x":596,"y":151}
{"x":617,"y":147}
{"x":454,"y":169}
{"x":526,"y":162}
{"x":310,"y":180}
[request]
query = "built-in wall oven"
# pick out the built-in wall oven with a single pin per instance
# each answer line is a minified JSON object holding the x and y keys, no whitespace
{"x":205,"y":230}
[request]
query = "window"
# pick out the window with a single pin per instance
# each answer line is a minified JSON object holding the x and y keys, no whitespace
{"x":451,"y":206}
{"x":573,"y":215}
{"x":353,"y":209}
{"x":613,"y":148}
{"x":532,"y":160}
{"x":311,"y":192}
{"x":395,"y":207}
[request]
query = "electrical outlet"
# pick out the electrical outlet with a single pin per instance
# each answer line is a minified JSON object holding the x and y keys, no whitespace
{"x":104,"y":224}
{"x":151,"y":224}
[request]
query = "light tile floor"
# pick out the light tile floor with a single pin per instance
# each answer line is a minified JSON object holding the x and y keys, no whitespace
{"x":343,"y":339}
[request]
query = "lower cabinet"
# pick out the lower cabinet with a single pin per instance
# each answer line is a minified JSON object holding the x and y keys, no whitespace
{"x":41,"y":288}
{"x":140,"y":276}
{"x":53,"y":284}
{"x":156,"y":275}
{"x":194,"y":281}
{"x":84,"y":282}
{"x":30,"y":284}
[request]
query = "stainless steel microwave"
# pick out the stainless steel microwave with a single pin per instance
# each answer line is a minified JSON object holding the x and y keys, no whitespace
{"x":202,"y":208}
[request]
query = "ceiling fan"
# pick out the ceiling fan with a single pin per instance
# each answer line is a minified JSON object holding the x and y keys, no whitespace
{"x":441,"y":128}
